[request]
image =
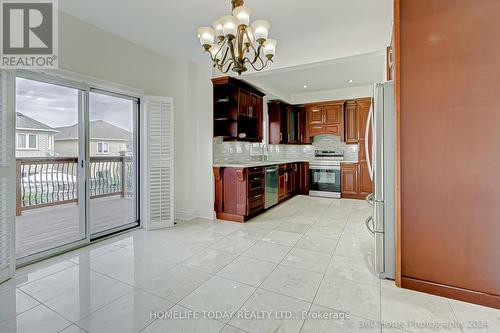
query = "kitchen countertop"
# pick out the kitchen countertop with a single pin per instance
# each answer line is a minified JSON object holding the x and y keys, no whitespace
{"x":254,"y":164}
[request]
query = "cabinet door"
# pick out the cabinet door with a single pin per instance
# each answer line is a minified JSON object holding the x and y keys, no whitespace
{"x":351,"y":122}
{"x":332,"y":129}
{"x":365,"y":183}
{"x":289,"y":182}
{"x":244,"y":103}
{"x":274,"y":119}
{"x":313,"y":130}
{"x":349,"y":180}
{"x":253,"y":109}
{"x":332,"y":114}
{"x":315,"y":116}
{"x":281,"y":186}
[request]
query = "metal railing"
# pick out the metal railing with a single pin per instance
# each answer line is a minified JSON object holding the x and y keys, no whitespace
{"x":50,"y":181}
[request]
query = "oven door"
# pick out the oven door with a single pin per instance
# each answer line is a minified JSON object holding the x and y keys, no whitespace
{"x":324,"y":181}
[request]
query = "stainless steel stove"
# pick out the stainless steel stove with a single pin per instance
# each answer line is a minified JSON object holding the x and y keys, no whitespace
{"x":325,"y":173}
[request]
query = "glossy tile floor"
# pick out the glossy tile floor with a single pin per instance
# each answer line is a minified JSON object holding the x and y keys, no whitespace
{"x":304,"y":266}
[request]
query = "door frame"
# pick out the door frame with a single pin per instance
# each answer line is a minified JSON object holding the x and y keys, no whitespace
{"x":85,"y":84}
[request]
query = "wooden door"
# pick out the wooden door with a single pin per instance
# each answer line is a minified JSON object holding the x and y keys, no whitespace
{"x":315,"y":115}
{"x":332,"y":114}
{"x":244,"y":103}
{"x":450,"y":230}
{"x":351,"y":122}
{"x":349,"y":180}
{"x":364,"y":181}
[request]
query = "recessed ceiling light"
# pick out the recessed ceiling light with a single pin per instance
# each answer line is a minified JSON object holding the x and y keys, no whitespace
{"x":350,"y":81}
{"x":305,"y":86}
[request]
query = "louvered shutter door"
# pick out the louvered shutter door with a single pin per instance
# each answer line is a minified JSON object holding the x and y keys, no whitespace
{"x":160,"y":150}
{"x":7,"y":176}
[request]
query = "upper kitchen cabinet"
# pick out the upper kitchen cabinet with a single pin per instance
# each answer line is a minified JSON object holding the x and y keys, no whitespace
{"x":355,"y":118}
{"x":325,"y":118}
{"x":287,"y":123}
{"x":238,"y":110}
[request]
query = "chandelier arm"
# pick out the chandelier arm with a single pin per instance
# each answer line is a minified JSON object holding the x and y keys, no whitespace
{"x":225,"y":59}
{"x":231,"y":47}
{"x":258,"y":54}
{"x":230,"y":63}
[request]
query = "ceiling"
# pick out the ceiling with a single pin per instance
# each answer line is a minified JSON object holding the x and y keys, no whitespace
{"x":363,"y":70}
{"x":307,"y":31}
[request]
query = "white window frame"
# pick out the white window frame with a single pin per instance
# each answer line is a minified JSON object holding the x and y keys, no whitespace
{"x":102,"y":152}
{"x":50,"y":143}
{"x":27,"y":140}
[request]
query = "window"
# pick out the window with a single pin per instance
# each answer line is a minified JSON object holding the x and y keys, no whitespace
{"x":103,"y":148}
{"x":27,"y":141}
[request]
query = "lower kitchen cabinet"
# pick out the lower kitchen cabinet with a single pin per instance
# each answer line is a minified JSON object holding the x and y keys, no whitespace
{"x":355,"y":180}
{"x":240,"y":192}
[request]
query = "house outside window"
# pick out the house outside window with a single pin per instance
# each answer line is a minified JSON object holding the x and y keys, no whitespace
{"x":27,"y":141}
{"x":103,"y":148}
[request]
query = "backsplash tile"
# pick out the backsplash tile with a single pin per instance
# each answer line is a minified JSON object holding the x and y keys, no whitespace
{"x":241,"y":152}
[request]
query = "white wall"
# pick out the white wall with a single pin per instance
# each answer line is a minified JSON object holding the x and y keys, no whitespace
{"x":88,"y":50}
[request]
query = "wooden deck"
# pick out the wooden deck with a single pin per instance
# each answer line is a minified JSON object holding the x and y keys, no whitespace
{"x":44,"y":228}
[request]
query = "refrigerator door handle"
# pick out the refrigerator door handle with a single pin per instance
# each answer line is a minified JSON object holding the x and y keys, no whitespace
{"x":367,"y":223}
{"x":367,"y":148}
{"x":369,"y":199}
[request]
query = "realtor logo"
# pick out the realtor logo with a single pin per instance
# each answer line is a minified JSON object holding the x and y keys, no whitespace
{"x":29,"y":36}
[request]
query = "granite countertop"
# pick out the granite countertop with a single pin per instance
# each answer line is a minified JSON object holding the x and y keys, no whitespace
{"x":254,"y":164}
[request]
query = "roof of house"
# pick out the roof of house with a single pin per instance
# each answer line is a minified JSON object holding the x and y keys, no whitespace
{"x":25,"y":122}
{"x":99,"y":129}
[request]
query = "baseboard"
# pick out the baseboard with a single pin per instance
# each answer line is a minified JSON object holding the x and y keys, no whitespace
{"x":193,"y":214}
{"x":465,"y":295}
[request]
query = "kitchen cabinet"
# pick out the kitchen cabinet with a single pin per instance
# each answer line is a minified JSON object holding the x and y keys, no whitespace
{"x":325,"y":118}
{"x":349,"y":180}
{"x":355,"y":180}
{"x":286,"y":123}
{"x":240,"y":192}
{"x":237,"y":110}
{"x":351,"y":124}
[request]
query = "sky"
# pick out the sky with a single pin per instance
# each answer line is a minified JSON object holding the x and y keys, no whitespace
{"x":57,"y":106}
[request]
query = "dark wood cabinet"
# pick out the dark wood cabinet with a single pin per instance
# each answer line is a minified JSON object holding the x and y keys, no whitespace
{"x":286,"y":123}
{"x":351,"y":122}
{"x":365,"y":185}
{"x":240,"y":192}
{"x":237,"y":110}
{"x":325,"y":118}
{"x":349,"y":180}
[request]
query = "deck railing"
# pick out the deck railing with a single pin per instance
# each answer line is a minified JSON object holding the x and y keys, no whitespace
{"x":52,"y":181}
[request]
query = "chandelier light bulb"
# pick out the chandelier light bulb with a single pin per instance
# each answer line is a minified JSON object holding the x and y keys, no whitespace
{"x":206,"y":36}
{"x":219,"y":31}
{"x":242,"y":13}
{"x":260,"y":29}
{"x":229,"y":25}
{"x":270,"y":47}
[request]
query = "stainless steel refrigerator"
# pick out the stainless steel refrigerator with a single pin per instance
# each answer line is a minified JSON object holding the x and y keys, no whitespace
{"x":381,"y":125}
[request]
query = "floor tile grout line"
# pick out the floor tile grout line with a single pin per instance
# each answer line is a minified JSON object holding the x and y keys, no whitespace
{"x":322,"y":278}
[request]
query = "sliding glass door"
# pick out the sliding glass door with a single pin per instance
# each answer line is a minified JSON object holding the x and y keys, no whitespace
{"x":50,"y":194}
{"x":113,"y":162}
{"x":77,"y":165}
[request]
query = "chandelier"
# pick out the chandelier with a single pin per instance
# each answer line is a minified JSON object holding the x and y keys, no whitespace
{"x":238,"y":42}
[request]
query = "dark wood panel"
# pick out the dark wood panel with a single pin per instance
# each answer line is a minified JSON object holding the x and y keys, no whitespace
{"x":364,"y":182}
{"x":351,"y":125}
{"x":449,"y":77}
{"x":349,"y":180}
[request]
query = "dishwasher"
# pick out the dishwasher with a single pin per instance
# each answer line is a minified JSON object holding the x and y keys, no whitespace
{"x":271,"y":197}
